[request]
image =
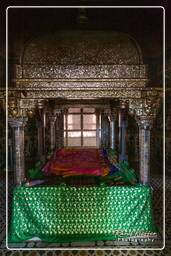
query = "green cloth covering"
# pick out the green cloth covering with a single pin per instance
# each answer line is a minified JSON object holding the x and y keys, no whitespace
{"x":36,"y":173}
{"x":66,"y":213}
{"x":128,"y":174}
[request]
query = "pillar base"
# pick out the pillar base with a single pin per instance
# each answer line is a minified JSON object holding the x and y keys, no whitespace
{"x":123,"y":158}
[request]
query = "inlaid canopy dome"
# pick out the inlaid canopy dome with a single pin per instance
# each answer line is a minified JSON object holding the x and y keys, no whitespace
{"x":83,"y":48}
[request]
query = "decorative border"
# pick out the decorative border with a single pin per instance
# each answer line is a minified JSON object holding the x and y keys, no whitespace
{"x":81,"y":71}
{"x":71,"y":83}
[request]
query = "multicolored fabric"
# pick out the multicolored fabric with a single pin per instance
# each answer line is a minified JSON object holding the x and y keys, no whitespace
{"x":120,"y":174}
{"x":112,"y":156}
{"x":70,"y":162}
{"x":66,"y":213}
{"x":113,"y":168}
{"x":125,"y":176}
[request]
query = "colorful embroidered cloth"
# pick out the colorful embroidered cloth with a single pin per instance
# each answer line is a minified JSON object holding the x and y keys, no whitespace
{"x":66,"y":213}
{"x":69,"y":162}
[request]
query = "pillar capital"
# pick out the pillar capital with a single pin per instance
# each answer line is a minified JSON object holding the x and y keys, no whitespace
{"x":145,"y":110}
{"x":144,"y":122}
{"x":106,"y":112}
{"x":123,"y":103}
{"x":41,"y":104}
{"x":113,"y":114}
{"x":18,"y":122}
{"x":13,"y":108}
{"x":21,"y":108}
{"x":60,"y":111}
{"x":52,"y":118}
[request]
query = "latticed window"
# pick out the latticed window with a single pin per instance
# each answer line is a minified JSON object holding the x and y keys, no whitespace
{"x":81,"y":128}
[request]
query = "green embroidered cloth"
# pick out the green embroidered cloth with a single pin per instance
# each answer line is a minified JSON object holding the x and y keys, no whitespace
{"x":65,"y":213}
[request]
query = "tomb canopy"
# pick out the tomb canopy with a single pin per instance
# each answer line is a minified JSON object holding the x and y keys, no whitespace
{"x":77,"y":66}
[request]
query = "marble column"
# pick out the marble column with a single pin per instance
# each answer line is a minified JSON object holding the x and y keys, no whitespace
{"x":136,"y":145}
{"x":144,"y":151}
{"x":112,"y":119}
{"x":18,"y":125}
{"x":122,"y":135}
{"x":40,"y":139}
{"x":60,"y":127}
{"x":105,"y":129}
{"x":41,"y":129}
{"x":98,"y":128}
{"x":52,"y":120}
{"x":145,"y":110}
{"x":41,"y":134}
{"x":44,"y":132}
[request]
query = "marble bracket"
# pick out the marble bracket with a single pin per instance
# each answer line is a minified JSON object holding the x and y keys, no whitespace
{"x":20,"y":108}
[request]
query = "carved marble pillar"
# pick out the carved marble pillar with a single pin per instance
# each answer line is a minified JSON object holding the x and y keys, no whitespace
{"x":136,"y":145}
{"x":144,"y":150}
{"x":52,"y":120}
{"x":122,"y":135}
{"x":112,"y":119}
{"x":44,"y":131}
{"x":105,"y":129}
{"x":40,"y":139}
{"x":41,"y":130}
{"x":18,"y":125}
{"x":98,"y":128}
{"x":145,"y":111}
{"x":60,"y":127}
